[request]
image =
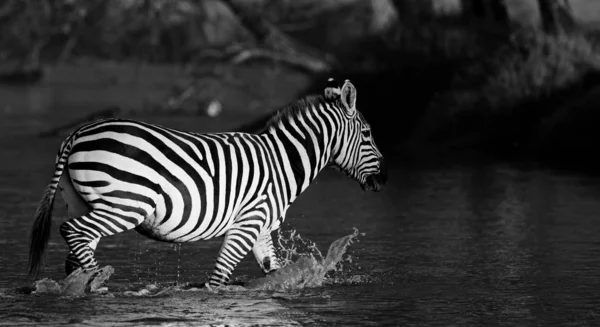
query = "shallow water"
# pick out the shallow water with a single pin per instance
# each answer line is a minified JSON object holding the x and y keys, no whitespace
{"x":468,"y":245}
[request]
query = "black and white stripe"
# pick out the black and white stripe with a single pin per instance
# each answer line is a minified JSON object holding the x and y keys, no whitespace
{"x":176,"y":186}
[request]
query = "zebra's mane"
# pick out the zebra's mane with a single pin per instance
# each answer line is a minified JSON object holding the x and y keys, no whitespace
{"x":294,"y":110}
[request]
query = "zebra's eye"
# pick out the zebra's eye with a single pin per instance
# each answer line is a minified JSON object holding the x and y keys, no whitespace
{"x":366,"y":132}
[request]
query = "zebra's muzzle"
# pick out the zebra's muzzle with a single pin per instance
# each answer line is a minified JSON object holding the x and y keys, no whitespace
{"x":375,"y":182}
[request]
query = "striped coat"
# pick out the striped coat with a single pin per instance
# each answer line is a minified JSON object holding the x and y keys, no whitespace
{"x":177,"y":186}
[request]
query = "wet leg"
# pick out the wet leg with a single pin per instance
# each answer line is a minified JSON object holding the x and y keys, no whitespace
{"x":83,"y":233}
{"x":72,"y":264}
{"x":239,"y":240}
{"x":76,"y":207}
{"x":264,"y":252}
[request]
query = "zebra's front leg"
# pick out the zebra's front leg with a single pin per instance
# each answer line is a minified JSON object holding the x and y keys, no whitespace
{"x":264,"y":252}
{"x":83,"y":233}
{"x":238,"y":242}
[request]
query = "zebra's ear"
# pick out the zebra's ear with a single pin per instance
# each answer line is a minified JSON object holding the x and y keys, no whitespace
{"x":332,"y":91}
{"x":348,"y":97}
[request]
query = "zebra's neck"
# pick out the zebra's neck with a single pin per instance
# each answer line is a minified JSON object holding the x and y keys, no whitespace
{"x":304,"y":145}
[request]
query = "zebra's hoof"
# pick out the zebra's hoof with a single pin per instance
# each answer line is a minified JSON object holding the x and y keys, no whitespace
{"x":210,"y":288}
{"x":70,"y":267}
{"x":271,"y":272}
{"x":267,"y":265}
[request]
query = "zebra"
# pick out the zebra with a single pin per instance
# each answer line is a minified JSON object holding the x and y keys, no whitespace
{"x":175,"y":186}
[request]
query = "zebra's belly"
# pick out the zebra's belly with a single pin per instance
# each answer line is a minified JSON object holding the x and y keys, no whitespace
{"x":173,"y":209}
{"x":148,"y":229}
{"x":177,"y":230}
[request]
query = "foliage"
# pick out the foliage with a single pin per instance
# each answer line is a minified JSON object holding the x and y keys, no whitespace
{"x":500,"y":98}
{"x":531,"y":65}
{"x":457,"y":85}
{"x":148,"y":30}
{"x":460,"y":81}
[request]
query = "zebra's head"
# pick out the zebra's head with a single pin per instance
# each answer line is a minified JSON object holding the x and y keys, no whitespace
{"x":356,"y":153}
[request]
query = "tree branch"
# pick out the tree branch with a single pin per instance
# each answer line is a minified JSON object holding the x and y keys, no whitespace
{"x":277,"y":45}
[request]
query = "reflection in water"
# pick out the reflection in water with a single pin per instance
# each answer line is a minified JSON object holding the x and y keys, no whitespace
{"x":497,"y":204}
{"x":477,"y":245}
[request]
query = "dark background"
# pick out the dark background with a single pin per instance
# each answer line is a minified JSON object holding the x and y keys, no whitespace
{"x":452,"y":79}
{"x":483,"y":98}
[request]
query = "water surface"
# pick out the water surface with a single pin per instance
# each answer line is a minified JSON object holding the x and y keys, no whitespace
{"x":469,"y":245}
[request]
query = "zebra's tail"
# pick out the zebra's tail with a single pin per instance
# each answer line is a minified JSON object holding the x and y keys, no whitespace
{"x":40,"y":232}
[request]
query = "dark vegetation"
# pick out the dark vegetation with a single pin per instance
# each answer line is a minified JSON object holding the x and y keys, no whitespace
{"x":429,"y":84}
{"x":448,"y":87}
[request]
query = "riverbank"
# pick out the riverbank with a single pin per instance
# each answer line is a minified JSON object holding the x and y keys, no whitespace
{"x":444,"y":89}
{"x":431,"y":90}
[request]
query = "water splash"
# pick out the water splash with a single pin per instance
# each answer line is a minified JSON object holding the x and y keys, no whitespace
{"x":77,"y":283}
{"x":178,"y":261}
{"x":157,"y":268}
{"x":307,"y":270}
{"x":137,"y":265}
{"x":304,"y":267}
{"x":177,"y":249}
{"x":292,"y":246}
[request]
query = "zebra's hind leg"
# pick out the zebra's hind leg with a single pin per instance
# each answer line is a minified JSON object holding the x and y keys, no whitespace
{"x":238,"y":242}
{"x":83,"y":233}
{"x":76,"y":207}
{"x":72,"y":264}
{"x":264,"y":252}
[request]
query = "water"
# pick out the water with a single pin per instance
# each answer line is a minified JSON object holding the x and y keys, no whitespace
{"x":468,"y":245}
